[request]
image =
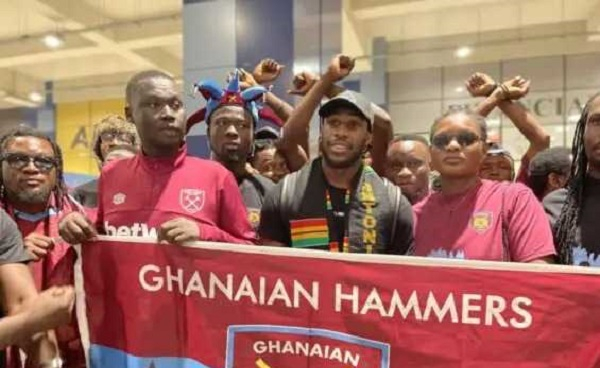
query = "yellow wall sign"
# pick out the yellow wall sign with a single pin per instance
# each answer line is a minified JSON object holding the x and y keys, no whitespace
{"x":74,"y":133}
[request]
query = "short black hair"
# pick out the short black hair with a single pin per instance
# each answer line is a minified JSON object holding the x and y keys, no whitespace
{"x":552,"y":160}
{"x":134,"y":81}
{"x":410,"y":137}
{"x":459,"y":110}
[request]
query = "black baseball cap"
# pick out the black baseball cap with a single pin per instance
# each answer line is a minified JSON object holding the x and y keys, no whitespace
{"x":351,"y":100}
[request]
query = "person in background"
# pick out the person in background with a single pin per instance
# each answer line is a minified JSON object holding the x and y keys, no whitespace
{"x":231,"y":118}
{"x":574,"y":211}
{"x":337,"y":203}
{"x":119,"y":152}
{"x":549,"y":171}
{"x":408,"y":166}
{"x":112,"y":130}
{"x":474,"y":218}
{"x":498,"y":165}
{"x":162,"y":192}
{"x":505,"y":96}
{"x":34,"y":194}
{"x":262,"y":161}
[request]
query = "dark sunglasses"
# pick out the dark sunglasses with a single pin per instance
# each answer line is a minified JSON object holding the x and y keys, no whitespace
{"x":20,"y":160}
{"x":442,"y":140}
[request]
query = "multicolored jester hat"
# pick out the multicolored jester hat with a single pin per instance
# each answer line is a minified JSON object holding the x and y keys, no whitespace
{"x":232,"y":95}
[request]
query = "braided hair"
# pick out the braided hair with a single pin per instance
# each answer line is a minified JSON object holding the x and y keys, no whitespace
{"x":565,"y":229}
{"x":60,"y":190}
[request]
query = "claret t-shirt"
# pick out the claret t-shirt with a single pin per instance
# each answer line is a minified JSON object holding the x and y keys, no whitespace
{"x":492,"y":221}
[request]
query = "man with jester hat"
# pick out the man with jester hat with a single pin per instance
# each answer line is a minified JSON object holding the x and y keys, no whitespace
{"x":231,"y":117}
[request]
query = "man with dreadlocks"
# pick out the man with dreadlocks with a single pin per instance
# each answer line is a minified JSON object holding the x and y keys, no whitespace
{"x":34,"y":194}
{"x":162,"y":192}
{"x":574,"y":211}
{"x":111,"y":131}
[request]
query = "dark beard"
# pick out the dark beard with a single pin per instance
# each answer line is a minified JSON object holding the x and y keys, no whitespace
{"x":29,"y":197}
{"x":349,"y":162}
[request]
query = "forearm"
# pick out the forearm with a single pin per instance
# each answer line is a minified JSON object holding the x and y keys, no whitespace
{"x":281,"y":108}
{"x":296,"y":130}
{"x":383,"y":133}
{"x":488,"y":105}
{"x":527,"y":125}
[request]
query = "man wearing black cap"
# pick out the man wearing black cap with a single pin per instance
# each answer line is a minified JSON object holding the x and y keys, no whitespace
{"x":336,"y":203}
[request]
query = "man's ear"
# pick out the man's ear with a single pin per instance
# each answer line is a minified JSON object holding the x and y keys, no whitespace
{"x":127,"y":112}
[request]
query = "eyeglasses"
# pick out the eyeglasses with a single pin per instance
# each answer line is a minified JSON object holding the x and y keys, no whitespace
{"x":465,"y":139}
{"x":121,"y":137}
{"x":19,"y":161}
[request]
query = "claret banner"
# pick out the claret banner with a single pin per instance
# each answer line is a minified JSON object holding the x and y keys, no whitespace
{"x":142,"y":304}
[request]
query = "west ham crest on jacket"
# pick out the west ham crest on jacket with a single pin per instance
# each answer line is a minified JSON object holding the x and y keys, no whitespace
{"x":191,"y":200}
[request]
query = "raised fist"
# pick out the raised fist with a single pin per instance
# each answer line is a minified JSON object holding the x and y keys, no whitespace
{"x":267,"y":71}
{"x":480,"y":85}
{"x":515,"y":88}
{"x":340,"y":67}
{"x":246,"y":79}
{"x":302,"y":83}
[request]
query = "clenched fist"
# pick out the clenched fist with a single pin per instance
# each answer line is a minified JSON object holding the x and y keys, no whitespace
{"x":267,"y":71}
{"x":302,"y":83}
{"x":339,"y":68}
{"x":515,"y":88}
{"x":480,"y":85}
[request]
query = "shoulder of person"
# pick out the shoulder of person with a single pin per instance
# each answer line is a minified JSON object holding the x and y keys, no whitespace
{"x":557,"y":197}
{"x":264,"y":181}
{"x":507,"y":188}
{"x":117,"y":166}
{"x":90,"y":186}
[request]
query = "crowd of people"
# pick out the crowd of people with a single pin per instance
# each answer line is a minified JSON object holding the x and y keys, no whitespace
{"x":454,"y":195}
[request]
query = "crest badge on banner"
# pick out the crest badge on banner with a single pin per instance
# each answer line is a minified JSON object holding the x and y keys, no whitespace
{"x":191,"y":200}
{"x":265,"y":346}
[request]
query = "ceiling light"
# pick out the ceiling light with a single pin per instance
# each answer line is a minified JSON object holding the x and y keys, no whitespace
{"x":459,"y":90}
{"x":35,"y":96}
{"x":19,"y":101}
{"x":463,"y":52}
{"x":53,"y":41}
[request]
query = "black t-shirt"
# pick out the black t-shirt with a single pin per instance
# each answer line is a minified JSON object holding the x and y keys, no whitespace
{"x":336,"y":218}
{"x":586,"y":251}
{"x":253,"y":189}
{"x":276,"y":223}
{"x":12,"y":249}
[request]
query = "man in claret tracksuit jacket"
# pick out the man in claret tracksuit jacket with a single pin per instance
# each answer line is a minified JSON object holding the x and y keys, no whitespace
{"x":161,"y":192}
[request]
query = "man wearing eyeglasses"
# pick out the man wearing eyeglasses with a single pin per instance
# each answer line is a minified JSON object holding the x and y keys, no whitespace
{"x":111,"y":131}
{"x":34,"y":194}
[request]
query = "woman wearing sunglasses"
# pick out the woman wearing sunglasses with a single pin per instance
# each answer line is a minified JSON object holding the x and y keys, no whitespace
{"x":472,"y":218}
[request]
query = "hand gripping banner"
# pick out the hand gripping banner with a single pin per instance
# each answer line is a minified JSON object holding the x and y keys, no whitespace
{"x":141,"y":304}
